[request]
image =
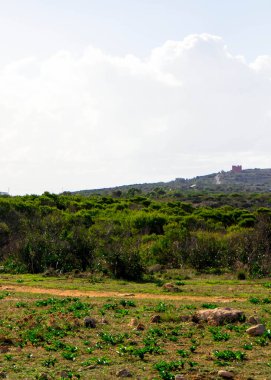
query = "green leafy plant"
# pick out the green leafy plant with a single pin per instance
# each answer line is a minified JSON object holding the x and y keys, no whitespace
{"x":50,"y":362}
{"x":229,"y":355}
{"x":218,"y":334}
{"x":209,"y":305}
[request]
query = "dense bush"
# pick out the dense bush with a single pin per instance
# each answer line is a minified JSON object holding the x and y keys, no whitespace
{"x":123,"y":234}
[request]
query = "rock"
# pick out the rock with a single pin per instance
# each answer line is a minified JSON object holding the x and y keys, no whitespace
{"x":168,"y":285}
{"x":179,"y":377}
{"x":140,"y":327}
{"x":123,"y":373}
{"x":253,"y":320}
{"x":156,"y":318}
{"x":90,"y":322}
{"x":256,"y":330}
{"x":104,"y":321}
{"x":218,"y":316}
{"x":133,"y":322}
{"x":225,"y":374}
{"x":129,"y":295}
{"x":64,"y":375}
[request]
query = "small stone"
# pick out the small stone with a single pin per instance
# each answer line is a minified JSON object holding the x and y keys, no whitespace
{"x":123,"y":373}
{"x":253,"y":320}
{"x":90,"y":322}
{"x":179,"y":377}
{"x":64,"y":375}
{"x":140,"y":327}
{"x":156,"y":318}
{"x":168,"y":285}
{"x":129,"y":295}
{"x":104,"y":321}
{"x":225,"y":374}
{"x":256,"y":330}
{"x":91,"y":366}
{"x":133,"y":322}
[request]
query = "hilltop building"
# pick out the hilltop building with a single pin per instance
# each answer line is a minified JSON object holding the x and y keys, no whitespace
{"x":236,"y":168}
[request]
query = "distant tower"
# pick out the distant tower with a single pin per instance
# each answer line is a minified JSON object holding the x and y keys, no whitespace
{"x":236,"y":168}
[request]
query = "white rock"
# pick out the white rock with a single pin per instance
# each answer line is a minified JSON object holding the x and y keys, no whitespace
{"x":256,"y":330}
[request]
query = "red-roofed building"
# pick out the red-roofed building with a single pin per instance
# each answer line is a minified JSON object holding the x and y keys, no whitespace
{"x":236,"y":168}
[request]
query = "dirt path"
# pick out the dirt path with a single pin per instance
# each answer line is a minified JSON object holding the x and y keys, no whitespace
{"x":100,"y":294}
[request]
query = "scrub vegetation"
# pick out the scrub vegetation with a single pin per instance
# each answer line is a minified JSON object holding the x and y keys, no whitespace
{"x":130,"y":236}
{"x":123,"y":275}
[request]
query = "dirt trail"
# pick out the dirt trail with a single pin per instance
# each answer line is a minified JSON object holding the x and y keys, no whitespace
{"x":100,"y":294}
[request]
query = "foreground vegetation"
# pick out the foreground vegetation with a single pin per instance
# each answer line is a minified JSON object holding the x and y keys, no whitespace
{"x":110,"y":264}
{"x":130,"y":236}
{"x":49,"y":337}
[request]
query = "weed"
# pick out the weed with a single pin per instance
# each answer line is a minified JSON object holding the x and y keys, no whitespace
{"x":209,"y":305}
{"x":102,"y":361}
{"x":193,"y":348}
{"x":218,"y":334}
{"x":254,"y":300}
{"x":4,"y":295}
{"x":164,"y":368}
{"x":113,"y":339}
{"x":261,"y":341}
{"x":156,"y":332}
{"x":110,"y":306}
{"x":126,"y":303}
{"x":161,"y":307}
{"x":248,"y":346}
{"x":70,"y":352}
{"x":229,"y":355}
{"x":121,"y":313}
{"x":21,"y":304}
{"x":183,"y":353}
{"x":192,"y":364}
{"x":49,"y":362}
{"x":190,"y":307}
{"x":180,"y":283}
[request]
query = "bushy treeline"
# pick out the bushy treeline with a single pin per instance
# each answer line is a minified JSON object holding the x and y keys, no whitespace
{"x":124,"y":236}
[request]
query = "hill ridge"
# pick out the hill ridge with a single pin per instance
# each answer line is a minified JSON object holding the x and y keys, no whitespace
{"x":249,"y":180}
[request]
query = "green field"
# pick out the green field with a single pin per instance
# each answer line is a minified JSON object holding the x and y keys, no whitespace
{"x":43,"y":336}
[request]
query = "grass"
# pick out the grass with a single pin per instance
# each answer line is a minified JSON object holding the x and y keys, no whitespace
{"x":44,"y":336}
{"x":199,"y":285}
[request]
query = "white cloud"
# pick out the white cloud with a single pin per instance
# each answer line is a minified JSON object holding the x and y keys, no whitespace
{"x":74,"y":122}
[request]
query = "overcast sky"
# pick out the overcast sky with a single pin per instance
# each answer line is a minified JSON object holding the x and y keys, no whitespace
{"x":97,"y":93}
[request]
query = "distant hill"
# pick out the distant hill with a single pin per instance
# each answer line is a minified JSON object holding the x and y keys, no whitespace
{"x":249,"y":180}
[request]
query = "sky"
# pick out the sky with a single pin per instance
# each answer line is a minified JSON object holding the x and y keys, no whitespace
{"x":99,"y":93}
